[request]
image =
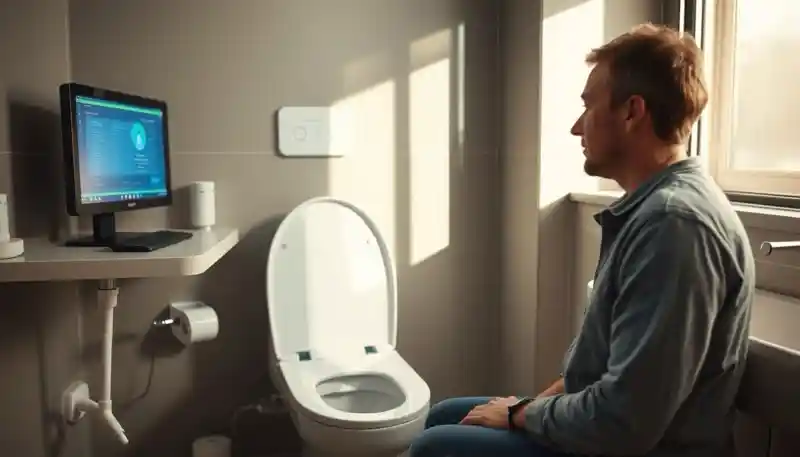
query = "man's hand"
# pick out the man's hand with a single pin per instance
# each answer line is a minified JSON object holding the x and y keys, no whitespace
{"x":508,"y":401}
{"x":492,"y":415}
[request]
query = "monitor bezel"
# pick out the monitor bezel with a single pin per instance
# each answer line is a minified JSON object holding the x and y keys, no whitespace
{"x":68,"y":93}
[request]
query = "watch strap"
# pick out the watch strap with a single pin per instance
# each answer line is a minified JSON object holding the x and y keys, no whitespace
{"x":512,"y":410}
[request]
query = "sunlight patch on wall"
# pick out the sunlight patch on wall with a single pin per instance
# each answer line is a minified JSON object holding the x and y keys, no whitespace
{"x":363,"y":127}
{"x":566,"y":39}
{"x":430,"y":132}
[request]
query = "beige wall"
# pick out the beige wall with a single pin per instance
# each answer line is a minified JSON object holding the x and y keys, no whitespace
{"x":40,"y":325}
{"x":423,"y":161}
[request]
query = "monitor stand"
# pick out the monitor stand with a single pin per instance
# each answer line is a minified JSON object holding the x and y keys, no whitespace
{"x":104,"y":233}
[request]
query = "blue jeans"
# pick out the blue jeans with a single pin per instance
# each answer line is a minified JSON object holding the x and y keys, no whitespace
{"x":444,"y":437}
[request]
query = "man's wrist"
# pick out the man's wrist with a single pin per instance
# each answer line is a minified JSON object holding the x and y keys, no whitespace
{"x":516,"y":413}
{"x":518,"y":418}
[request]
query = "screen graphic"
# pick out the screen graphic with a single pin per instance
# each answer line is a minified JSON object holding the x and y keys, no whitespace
{"x":121,"y":151}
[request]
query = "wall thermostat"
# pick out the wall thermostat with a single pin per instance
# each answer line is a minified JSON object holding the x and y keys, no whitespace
{"x":305,"y":131}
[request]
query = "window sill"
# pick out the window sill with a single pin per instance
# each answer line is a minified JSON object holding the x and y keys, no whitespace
{"x":754,"y":216}
{"x":599,"y":198}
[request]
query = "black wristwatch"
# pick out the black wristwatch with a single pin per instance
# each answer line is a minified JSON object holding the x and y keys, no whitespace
{"x":514,"y":408}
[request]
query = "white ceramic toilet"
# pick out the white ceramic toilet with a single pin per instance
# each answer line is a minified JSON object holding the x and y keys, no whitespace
{"x":331,"y":293}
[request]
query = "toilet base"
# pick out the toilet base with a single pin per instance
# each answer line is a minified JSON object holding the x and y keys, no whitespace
{"x":324,"y":441}
{"x":309,"y":452}
{"x":392,"y":441}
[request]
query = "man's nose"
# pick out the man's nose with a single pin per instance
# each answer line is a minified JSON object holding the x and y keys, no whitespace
{"x":576,"y":128}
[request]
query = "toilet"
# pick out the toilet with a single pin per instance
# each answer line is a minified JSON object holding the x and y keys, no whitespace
{"x":332,"y":300}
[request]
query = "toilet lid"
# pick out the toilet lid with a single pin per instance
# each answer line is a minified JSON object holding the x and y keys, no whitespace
{"x":331,"y":284}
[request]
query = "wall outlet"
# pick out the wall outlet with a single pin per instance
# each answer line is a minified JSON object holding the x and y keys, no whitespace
{"x":73,"y":400}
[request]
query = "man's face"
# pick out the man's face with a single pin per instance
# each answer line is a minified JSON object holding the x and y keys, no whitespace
{"x":601,"y":128}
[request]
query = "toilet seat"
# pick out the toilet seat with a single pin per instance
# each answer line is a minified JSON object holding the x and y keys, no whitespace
{"x":331,"y":296}
{"x":303,"y":379}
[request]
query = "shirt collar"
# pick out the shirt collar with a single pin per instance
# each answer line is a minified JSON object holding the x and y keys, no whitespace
{"x":631,"y":200}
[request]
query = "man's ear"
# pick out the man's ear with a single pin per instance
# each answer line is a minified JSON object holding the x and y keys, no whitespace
{"x":635,"y":111}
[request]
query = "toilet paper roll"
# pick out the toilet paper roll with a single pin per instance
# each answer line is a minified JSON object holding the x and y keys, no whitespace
{"x":212,"y":446}
{"x":193,"y":322}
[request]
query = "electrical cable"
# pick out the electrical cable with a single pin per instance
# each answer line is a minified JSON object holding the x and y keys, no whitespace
{"x":769,"y":442}
{"x":150,"y":375}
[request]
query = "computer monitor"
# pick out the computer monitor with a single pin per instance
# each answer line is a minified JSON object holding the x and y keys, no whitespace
{"x":116,"y":156}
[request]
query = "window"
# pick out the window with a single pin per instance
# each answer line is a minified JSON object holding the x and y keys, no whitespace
{"x":747,"y":134}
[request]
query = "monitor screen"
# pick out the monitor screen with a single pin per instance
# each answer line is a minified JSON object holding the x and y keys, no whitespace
{"x":121,"y":151}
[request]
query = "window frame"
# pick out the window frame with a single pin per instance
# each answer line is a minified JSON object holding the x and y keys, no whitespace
{"x":712,"y":22}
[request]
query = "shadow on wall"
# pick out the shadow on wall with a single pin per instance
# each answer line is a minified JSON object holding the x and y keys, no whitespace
{"x":49,"y":333}
{"x":35,"y":137}
{"x":443,"y":227}
{"x":152,"y":371}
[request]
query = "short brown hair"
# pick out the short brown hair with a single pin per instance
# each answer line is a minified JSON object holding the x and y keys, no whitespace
{"x":662,"y":66}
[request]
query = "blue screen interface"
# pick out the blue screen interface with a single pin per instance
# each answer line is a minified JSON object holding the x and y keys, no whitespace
{"x":121,"y":151}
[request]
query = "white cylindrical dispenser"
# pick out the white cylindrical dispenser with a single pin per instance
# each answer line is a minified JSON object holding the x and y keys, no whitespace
{"x":202,"y":206}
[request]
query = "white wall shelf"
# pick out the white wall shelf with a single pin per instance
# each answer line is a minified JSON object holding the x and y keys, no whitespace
{"x":45,"y":260}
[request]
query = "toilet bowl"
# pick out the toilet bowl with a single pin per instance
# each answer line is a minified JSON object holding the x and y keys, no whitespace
{"x":331,"y":295}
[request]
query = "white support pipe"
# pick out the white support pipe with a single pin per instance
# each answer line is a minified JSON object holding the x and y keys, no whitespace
{"x":86,"y":405}
{"x":107,"y":294}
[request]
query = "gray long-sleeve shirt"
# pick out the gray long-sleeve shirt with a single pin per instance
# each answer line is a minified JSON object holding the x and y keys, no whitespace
{"x":657,"y":364}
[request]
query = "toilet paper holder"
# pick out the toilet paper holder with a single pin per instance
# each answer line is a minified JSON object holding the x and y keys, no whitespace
{"x":158,"y":323}
{"x":190,"y":322}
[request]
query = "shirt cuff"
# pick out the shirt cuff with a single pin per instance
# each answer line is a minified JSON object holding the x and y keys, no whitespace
{"x":535,"y":416}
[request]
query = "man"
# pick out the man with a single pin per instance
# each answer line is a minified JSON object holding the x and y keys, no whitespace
{"x":657,"y":364}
